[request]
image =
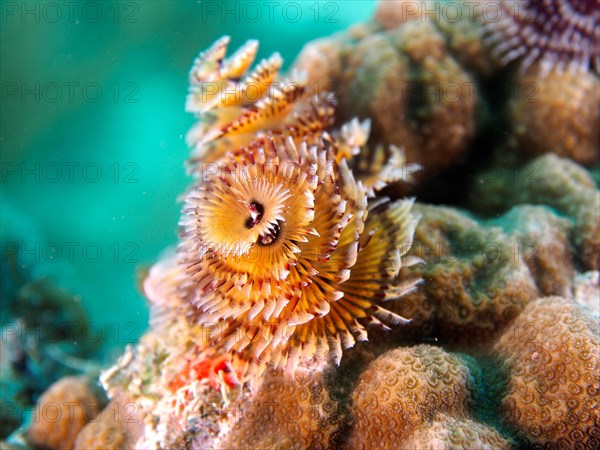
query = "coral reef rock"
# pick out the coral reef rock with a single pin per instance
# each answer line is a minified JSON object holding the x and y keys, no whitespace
{"x":476,"y":280}
{"x":558,"y":113}
{"x":420,"y":383}
{"x":552,"y":181}
{"x":553,"y":397}
{"x":434,"y":77}
{"x":449,"y":433}
{"x":407,"y":82}
{"x":61,"y":413}
{"x":301,"y":414}
{"x":118,"y":426}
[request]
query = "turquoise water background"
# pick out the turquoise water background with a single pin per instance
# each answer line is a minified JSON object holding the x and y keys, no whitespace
{"x":93,"y":131}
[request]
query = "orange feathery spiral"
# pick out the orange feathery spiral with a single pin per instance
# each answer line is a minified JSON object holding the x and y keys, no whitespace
{"x":286,"y":257}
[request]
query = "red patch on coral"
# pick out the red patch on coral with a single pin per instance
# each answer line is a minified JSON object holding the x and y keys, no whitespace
{"x":215,"y":370}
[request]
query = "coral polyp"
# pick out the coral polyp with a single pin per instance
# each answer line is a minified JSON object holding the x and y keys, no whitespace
{"x":561,"y":34}
{"x":285,"y":253}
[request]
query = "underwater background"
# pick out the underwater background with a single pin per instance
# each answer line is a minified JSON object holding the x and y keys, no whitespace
{"x":93,"y":132}
{"x":445,"y":198}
